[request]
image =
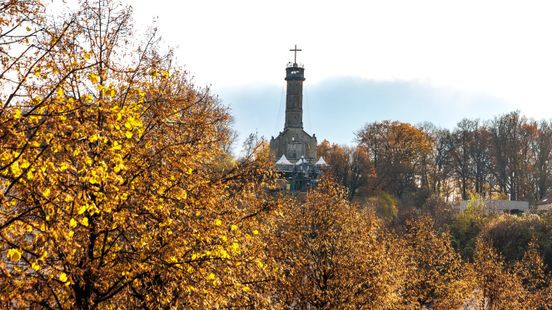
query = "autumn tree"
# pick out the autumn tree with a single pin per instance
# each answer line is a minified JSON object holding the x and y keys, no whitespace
{"x":511,"y":235}
{"x":532,"y":272}
{"x":350,"y":166}
{"x":511,"y":136}
{"x":438,"y":162}
{"x":112,"y":192}
{"x":470,"y":156}
{"x":499,"y":287}
{"x":437,"y":276}
{"x":334,"y":255}
{"x":396,"y":150}
{"x":20,"y":25}
{"x":542,"y":171}
{"x":466,"y":226}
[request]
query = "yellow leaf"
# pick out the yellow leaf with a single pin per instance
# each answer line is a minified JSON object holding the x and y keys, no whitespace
{"x":211,"y":276}
{"x":94,"y":179}
{"x":82,"y":209}
{"x":63,"y":166}
{"x":46,"y":192}
{"x":135,"y":123}
{"x":60,"y":92}
{"x":128,"y":134}
{"x":118,"y":168}
{"x":71,"y":234}
{"x":255,"y":232}
{"x":15,"y":169}
{"x":234,"y":227}
{"x":84,"y":221}
{"x":116,"y":146}
{"x":14,"y":255}
{"x":25,"y":164}
{"x":88,"y":98}
{"x":141,"y":95}
{"x":93,"y":138}
{"x":235,"y":247}
{"x":17,"y":113}
{"x":72,"y":223}
{"x":63,"y":277}
{"x":35,"y":266}
{"x":94,"y":78}
{"x":218,"y":222}
{"x":190,"y":288}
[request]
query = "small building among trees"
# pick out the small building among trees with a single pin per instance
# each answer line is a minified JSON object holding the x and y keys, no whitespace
{"x":545,"y":204}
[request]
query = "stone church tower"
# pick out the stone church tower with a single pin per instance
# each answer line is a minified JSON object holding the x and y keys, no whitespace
{"x":294,"y":143}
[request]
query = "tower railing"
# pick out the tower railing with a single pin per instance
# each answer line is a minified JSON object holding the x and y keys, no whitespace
{"x":294,"y":65}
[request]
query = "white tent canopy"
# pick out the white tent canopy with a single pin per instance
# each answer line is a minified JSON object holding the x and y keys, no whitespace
{"x":321,"y":162}
{"x":301,"y":160}
{"x":283,"y":161}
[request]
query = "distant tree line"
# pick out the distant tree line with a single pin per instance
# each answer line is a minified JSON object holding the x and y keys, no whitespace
{"x":508,"y":157}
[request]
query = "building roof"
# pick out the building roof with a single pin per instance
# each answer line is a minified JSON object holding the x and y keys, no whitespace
{"x":497,"y":205}
{"x":547,"y":199}
{"x":283,"y":161}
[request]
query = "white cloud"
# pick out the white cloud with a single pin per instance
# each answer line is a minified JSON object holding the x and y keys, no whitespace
{"x":501,"y":48}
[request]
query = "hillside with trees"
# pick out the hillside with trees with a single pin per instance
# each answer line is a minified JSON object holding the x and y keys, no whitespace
{"x":507,"y":157}
{"x":117,"y":191}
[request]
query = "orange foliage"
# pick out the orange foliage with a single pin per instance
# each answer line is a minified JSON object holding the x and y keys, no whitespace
{"x":112,"y":193}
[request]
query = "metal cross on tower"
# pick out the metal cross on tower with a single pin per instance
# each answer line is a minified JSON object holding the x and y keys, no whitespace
{"x":295,"y":50}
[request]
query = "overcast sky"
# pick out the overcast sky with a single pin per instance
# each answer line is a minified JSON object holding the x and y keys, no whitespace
{"x":365,"y":61}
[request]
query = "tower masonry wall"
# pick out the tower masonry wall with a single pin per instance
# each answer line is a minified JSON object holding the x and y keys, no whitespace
{"x":294,"y":143}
